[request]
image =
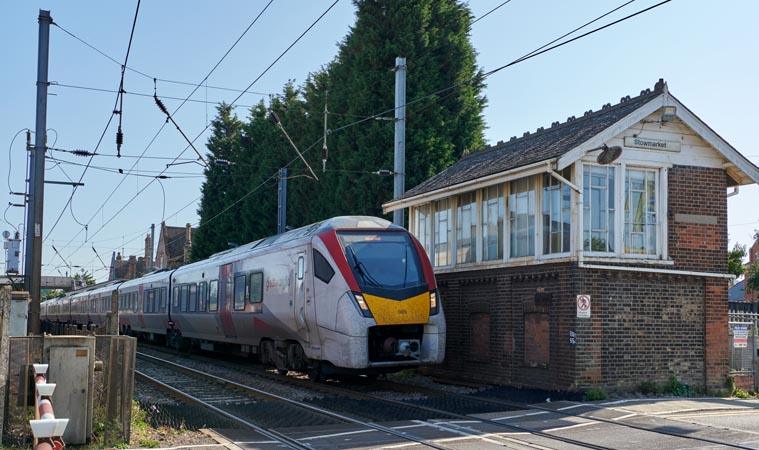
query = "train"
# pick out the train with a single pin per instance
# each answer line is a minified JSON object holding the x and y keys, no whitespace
{"x":347,"y":295}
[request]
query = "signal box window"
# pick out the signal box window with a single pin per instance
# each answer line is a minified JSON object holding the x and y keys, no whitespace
{"x":322,"y":269}
{"x":213,"y":295}
{"x":239,"y":292}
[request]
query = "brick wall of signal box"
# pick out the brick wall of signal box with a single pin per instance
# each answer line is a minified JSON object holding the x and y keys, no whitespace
{"x":518,"y":326}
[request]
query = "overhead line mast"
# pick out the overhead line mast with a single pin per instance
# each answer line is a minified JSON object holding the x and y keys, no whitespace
{"x":33,"y":256}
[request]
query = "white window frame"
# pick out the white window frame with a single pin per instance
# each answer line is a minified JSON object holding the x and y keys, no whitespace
{"x":572,"y":219}
{"x":661,"y":199}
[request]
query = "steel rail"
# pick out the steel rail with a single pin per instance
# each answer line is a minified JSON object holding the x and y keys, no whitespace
{"x":279,"y":437}
{"x":269,"y":395}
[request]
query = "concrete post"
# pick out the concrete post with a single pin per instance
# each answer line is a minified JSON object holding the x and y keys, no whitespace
{"x":399,"y":166}
{"x":5,"y":313}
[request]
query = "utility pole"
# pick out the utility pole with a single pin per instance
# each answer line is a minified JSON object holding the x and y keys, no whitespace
{"x":33,"y":257}
{"x":399,"y":166}
{"x":282,"y":201}
{"x":152,"y":246}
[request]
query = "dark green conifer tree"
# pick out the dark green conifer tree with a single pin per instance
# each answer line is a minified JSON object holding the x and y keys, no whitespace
{"x":217,"y":191}
{"x":433,"y":36}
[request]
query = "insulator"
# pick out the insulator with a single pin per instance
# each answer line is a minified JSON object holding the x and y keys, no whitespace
{"x":119,"y":142}
{"x":160,"y":104}
{"x":83,"y":152}
{"x":275,"y":117}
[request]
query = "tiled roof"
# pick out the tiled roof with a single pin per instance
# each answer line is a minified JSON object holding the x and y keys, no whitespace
{"x":542,"y":145}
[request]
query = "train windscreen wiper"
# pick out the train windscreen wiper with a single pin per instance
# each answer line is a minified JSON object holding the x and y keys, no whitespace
{"x":361,"y":268}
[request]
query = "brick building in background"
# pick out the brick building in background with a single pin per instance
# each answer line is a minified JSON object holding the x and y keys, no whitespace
{"x":753,"y":258}
{"x":174,"y":246}
{"x":565,"y":264}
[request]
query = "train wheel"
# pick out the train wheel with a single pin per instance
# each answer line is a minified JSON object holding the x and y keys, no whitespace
{"x":315,"y":373}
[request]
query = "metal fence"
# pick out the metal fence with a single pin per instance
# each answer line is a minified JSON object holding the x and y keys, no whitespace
{"x":113,"y":383}
{"x":743,"y":343}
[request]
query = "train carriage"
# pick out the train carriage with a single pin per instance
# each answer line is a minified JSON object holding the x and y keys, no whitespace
{"x":350,"y":294}
{"x":143,"y":305}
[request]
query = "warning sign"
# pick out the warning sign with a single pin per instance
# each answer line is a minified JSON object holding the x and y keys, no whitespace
{"x":583,"y":306}
{"x":740,"y":336}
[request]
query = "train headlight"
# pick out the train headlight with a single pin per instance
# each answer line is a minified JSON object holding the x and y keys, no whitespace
{"x":434,"y":308}
{"x":362,"y":306}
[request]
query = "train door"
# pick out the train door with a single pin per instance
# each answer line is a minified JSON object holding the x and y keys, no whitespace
{"x":304,"y":307}
{"x":226,"y":300}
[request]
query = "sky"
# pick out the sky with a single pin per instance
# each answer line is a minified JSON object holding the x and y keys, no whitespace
{"x":705,"y":50}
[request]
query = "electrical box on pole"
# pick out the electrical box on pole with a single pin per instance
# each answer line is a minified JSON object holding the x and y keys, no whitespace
{"x":399,"y":166}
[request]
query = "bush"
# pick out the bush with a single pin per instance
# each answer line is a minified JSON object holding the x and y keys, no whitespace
{"x":650,"y":387}
{"x":677,"y":388}
{"x":594,"y":394}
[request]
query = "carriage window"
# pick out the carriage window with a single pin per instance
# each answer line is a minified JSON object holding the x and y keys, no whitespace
{"x":322,"y":269}
{"x":193,"y":296}
{"x":239,"y":292}
{"x":213,"y":295}
{"x":301,"y":267}
{"x":256,"y":291}
{"x":145,"y":300}
{"x":176,"y":297}
{"x":256,"y":287}
{"x":163,"y":298}
{"x":184,"y":296}
{"x":202,"y":296}
{"x":151,"y":301}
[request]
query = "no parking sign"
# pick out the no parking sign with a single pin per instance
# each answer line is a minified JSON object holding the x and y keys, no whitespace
{"x":583,"y":306}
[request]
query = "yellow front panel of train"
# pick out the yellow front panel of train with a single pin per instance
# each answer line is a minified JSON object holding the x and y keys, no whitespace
{"x":413,"y":310}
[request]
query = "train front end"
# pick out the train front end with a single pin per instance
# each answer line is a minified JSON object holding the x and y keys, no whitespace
{"x":390,"y":316}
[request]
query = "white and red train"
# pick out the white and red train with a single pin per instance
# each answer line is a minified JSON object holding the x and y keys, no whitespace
{"x":350,"y":294}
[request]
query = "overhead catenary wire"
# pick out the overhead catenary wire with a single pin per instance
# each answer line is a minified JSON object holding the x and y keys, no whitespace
{"x":151,"y":77}
{"x":138,"y":94}
{"x":174,"y":112}
{"x":507,"y":65}
{"x":110,"y":119}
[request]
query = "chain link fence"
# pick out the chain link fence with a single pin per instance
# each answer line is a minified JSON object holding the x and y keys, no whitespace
{"x":743,"y":343}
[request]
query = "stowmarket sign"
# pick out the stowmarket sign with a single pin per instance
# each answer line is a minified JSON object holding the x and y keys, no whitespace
{"x":652,"y":144}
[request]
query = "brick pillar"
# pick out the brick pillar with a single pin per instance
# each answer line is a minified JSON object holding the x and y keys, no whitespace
{"x":717,"y":339}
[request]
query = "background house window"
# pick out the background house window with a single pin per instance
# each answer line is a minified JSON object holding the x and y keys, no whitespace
{"x":466,"y":228}
{"x":423,"y":227}
{"x":442,"y":237}
{"x":557,"y":208}
{"x":522,"y":217}
{"x":598,"y":208}
{"x":640,"y":211}
{"x":492,"y":223}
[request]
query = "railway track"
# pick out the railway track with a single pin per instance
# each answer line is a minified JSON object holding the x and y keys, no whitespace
{"x":384,"y":401}
{"x":358,"y":408}
{"x":251,"y":407}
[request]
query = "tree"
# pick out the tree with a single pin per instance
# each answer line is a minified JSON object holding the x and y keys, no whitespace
{"x":752,"y":279}
{"x":433,"y":36}
{"x":735,"y":260}
{"x":83,"y":279}
{"x":217,"y":192}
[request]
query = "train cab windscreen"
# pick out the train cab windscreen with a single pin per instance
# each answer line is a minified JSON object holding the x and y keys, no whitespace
{"x":382,"y":259}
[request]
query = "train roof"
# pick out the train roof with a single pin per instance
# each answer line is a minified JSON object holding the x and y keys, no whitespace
{"x":335,"y":223}
{"x":147,"y":278}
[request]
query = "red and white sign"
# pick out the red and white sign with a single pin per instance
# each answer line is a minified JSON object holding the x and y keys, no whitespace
{"x":583,"y":306}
